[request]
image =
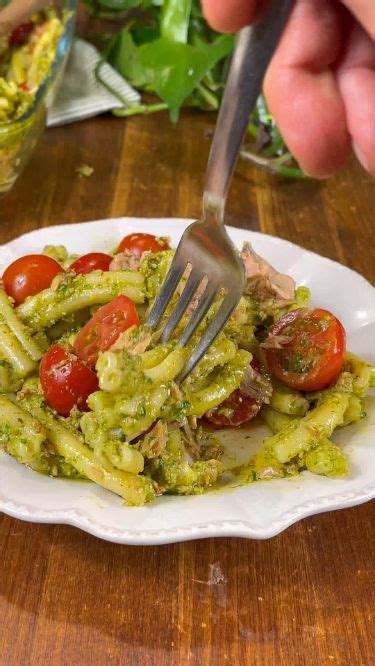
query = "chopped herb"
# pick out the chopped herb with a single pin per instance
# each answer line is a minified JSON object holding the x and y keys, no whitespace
{"x":85,"y":171}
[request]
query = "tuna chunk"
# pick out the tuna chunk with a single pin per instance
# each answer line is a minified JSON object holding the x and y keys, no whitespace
{"x":126,"y":261}
{"x":264,"y":283}
{"x":134,"y":341}
{"x":154,"y":443}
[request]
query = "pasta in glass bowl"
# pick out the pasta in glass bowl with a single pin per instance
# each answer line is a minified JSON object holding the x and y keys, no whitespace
{"x":31,"y":69}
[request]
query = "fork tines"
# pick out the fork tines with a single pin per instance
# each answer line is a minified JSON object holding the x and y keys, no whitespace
{"x":198,"y":287}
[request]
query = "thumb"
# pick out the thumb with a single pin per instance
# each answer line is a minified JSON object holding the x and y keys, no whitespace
{"x":230,"y":15}
{"x":18,"y":11}
{"x":363,"y":10}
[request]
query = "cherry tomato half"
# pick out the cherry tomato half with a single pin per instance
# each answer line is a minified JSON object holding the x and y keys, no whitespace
{"x":103,"y":329}
{"x":21,"y":33}
{"x":66,"y":381}
{"x":139,"y":243}
{"x":24,"y":86}
{"x":94,"y":261}
{"x":239,"y":408}
{"x":313,"y":354}
{"x":29,"y":275}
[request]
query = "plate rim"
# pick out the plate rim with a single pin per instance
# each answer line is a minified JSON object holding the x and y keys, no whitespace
{"x":209,"y":529}
{"x":222,"y":528}
{"x":185,"y":221}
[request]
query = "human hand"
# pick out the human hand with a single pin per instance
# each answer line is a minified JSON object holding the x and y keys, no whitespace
{"x":19,"y":11}
{"x":320,"y":86}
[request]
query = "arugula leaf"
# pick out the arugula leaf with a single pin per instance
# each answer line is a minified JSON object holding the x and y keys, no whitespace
{"x":175,"y":19}
{"x":114,"y":8}
{"x":142,"y":34}
{"x":167,"y":48}
{"x":117,"y":5}
{"x":171,"y":69}
{"x":124,"y":55}
{"x":174,"y":70}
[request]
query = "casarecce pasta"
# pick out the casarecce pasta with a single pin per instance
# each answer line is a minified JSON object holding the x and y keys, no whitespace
{"x":88,"y":392}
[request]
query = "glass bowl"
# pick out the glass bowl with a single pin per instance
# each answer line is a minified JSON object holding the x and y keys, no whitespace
{"x":19,"y":137}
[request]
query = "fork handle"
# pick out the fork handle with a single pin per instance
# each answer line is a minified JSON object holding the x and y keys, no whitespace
{"x":255,"y":47}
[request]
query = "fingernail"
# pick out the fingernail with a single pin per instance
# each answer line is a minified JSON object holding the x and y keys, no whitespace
{"x":363,"y":159}
{"x":321,"y":175}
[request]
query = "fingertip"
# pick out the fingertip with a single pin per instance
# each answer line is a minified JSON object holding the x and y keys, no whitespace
{"x":311,"y":118}
{"x":357,"y":86}
{"x":231,"y":15}
{"x":321,"y":153}
{"x":323,"y":150}
{"x":320,"y":168}
{"x":365,"y":157}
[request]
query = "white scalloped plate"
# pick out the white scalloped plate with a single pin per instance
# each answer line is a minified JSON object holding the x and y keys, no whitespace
{"x":256,"y":511}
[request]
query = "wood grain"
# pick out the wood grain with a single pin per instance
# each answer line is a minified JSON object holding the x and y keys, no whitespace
{"x":304,"y":597}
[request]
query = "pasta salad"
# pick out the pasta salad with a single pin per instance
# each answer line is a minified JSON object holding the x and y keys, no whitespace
{"x":26,"y":57}
{"x":88,"y":392}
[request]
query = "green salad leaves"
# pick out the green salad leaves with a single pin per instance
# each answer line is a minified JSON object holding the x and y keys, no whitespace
{"x":165,"y":48}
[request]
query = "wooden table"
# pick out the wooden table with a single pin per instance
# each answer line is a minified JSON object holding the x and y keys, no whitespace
{"x":304,"y":597}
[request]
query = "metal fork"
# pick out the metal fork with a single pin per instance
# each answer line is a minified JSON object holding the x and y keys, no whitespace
{"x":205,"y":247}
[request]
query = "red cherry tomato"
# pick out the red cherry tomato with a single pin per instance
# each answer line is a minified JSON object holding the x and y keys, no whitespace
{"x":21,"y":33}
{"x":139,"y":243}
{"x":66,"y":381}
{"x":95,"y":261}
{"x":29,"y":275}
{"x":239,"y":408}
{"x":103,"y":329}
{"x":313,"y":352}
